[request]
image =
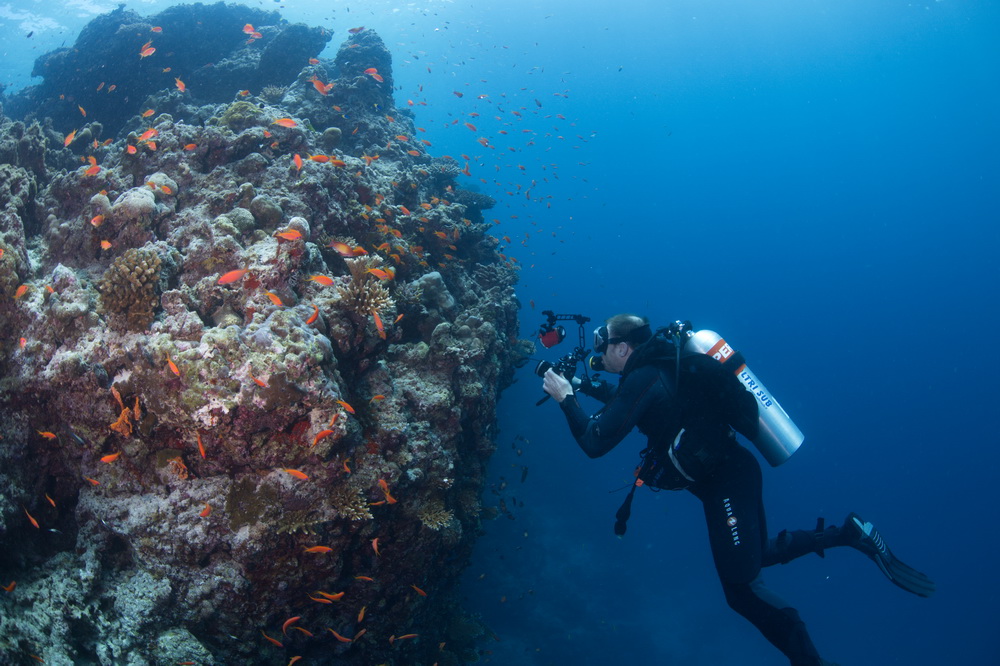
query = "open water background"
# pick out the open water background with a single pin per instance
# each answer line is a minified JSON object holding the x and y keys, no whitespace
{"x":817,"y":181}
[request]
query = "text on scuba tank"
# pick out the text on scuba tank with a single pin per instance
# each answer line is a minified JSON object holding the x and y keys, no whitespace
{"x":756,"y":388}
{"x":731,"y":521}
{"x":721,"y":353}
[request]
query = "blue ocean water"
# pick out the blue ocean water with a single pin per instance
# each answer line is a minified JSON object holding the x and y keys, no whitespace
{"x":818,"y":182}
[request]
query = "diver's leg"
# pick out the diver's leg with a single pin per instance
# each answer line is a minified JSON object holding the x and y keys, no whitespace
{"x":856,"y":533}
{"x":789,"y":545}
{"x":779,"y":623}
{"x":737,"y":533}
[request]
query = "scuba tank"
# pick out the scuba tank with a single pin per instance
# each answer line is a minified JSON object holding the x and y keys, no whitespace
{"x":778,"y":437}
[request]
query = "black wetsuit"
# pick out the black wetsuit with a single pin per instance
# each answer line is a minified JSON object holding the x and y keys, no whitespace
{"x":730,"y":490}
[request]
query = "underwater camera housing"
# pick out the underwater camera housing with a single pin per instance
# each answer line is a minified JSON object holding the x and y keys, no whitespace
{"x":565,"y":366}
{"x":551,"y":334}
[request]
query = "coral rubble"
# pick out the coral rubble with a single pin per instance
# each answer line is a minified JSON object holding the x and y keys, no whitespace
{"x":239,"y":376}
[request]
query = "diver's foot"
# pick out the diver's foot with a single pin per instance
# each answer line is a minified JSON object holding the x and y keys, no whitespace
{"x":863,"y":536}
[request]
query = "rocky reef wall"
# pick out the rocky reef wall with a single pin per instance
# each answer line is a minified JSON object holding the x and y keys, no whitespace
{"x":253,"y":340}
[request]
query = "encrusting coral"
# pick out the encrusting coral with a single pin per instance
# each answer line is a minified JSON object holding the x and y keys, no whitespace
{"x":291,"y":382}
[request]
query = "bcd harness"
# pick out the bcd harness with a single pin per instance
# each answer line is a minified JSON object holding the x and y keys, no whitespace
{"x":713,"y":403}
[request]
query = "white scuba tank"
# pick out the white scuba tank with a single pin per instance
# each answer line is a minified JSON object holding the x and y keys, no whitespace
{"x":778,"y":437}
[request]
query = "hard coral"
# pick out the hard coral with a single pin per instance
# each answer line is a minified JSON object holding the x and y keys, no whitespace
{"x":364,"y":294}
{"x":434,"y":516}
{"x":349,"y":503}
{"x":128,"y":288}
{"x":240,"y":115}
{"x":273,"y":93}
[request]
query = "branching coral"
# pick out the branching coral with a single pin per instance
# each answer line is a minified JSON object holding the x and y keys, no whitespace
{"x":434,"y":516}
{"x":128,"y":288}
{"x":349,"y":503}
{"x":364,"y":294}
{"x":273,"y":93}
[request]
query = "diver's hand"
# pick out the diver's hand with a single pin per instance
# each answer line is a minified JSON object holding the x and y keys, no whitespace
{"x":556,"y":385}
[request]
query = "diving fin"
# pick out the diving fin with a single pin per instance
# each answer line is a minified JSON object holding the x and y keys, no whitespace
{"x":863,"y":536}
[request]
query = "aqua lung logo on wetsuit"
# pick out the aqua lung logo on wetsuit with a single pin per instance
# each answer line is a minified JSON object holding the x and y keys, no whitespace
{"x":731,"y":521}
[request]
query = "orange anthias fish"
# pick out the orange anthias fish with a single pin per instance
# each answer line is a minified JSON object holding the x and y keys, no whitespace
{"x":313,"y":316}
{"x":180,"y":84}
{"x":380,"y":274}
{"x":340,"y":638}
{"x":248,"y":29}
{"x":69,"y":138}
{"x":350,"y":410}
{"x":321,"y":88}
{"x":319,"y":600}
{"x":289,"y":622}
{"x":298,"y":162}
{"x":110,"y":458}
{"x":290,"y":235}
{"x":378,"y":323}
{"x":297,"y":474}
{"x":31,"y":518}
{"x":206,"y":511}
{"x":323,"y":279}
{"x":319,"y":549}
{"x":375,"y":547}
{"x":274,"y":298}
{"x":385,"y":491}
{"x":355,"y":31}
{"x":232,"y":276}
{"x":147,"y":113}
{"x":173,"y":366}
{"x":285,"y":122}
{"x":343,"y":249}
{"x":146,"y":52}
{"x":320,"y":435}
{"x":273,"y":641}
{"x":322,"y":159}
{"x":332,"y":597}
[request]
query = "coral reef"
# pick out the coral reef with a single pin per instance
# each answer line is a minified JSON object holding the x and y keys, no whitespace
{"x":236,"y":383}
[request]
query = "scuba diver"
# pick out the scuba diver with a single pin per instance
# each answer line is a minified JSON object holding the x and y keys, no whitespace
{"x":689,"y":411}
